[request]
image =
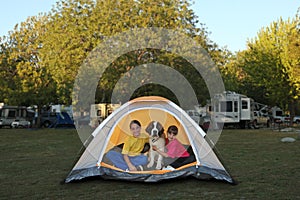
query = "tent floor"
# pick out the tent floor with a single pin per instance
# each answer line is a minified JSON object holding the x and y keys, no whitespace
{"x":151,"y":170}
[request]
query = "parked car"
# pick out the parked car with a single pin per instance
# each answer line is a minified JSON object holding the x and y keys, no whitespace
{"x":296,"y":119}
{"x":20,"y":124}
{"x":261,"y":119}
{"x":48,"y":118}
{"x":57,"y":120}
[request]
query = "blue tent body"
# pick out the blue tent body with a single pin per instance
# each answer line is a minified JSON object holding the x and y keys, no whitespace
{"x":63,"y":120}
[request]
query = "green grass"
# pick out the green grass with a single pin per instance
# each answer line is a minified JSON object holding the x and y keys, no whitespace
{"x":33,"y":162}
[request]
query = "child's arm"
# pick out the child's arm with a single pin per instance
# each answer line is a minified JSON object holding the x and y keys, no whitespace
{"x":129,"y":164}
{"x":164,"y":154}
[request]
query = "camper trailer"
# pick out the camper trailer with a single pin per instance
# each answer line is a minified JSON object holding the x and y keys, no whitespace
{"x":230,"y":108}
{"x":278,"y":116}
{"x":15,"y":116}
{"x":100,"y":111}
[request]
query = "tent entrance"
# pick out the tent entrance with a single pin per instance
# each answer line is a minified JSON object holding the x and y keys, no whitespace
{"x":120,"y":131}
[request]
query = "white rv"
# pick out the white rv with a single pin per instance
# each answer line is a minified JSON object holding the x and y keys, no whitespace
{"x":100,"y":111}
{"x":16,"y":116}
{"x":278,"y":116}
{"x":230,"y":108}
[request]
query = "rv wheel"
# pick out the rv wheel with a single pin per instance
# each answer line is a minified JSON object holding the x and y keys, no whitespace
{"x":242,"y":124}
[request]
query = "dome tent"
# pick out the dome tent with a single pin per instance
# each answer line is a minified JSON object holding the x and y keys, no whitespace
{"x":115,"y":128}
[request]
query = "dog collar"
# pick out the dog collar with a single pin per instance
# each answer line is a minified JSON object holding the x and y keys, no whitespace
{"x":154,"y":140}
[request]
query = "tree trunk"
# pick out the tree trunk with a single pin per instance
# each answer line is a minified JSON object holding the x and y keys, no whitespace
{"x":38,"y":120}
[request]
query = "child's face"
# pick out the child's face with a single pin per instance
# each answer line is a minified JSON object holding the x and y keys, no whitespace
{"x":135,"y":129}
{"x":171,"y":136}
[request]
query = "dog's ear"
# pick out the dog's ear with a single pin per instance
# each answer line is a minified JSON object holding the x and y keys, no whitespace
{"x":149,"y":127}
{"x":160,"y":128}
{"x":146,"y":148}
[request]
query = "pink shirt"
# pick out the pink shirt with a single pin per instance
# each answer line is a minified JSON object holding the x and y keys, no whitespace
{"x":175,"y":149}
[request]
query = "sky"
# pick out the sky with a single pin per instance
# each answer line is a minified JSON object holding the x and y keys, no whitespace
{"x":233,"y":22}
{"x":230,"y":22}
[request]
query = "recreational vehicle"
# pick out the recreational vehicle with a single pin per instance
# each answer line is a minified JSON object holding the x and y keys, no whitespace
{"x":15,"y":116}
{"x":230,"y":108}
{"x":100,"y":111}
{"x":278,"y":116}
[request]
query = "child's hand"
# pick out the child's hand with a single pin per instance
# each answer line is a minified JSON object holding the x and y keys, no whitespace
{"x":132,"y":168}
{"x":154,"y":148}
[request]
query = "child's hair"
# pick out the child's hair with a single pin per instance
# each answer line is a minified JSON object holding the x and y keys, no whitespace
{"x":173,"y":129}
{"x":134,"y":122}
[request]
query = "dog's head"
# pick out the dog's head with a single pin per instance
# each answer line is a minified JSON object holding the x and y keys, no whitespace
{"x":155,"y":129}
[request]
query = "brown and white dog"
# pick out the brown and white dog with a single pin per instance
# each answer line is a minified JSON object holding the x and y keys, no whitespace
{"x":156,"y":133}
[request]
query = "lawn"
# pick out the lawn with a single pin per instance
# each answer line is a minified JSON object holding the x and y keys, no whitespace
{"x":33,"y":162}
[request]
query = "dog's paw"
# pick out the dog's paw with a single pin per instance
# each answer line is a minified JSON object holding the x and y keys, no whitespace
{"x":149,"y":166}
{"x":158,"y":167}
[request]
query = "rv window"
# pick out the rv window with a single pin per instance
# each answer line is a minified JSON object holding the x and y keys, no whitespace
{"x":99,"y":113}
{"x":279,"y":113}
{"x":12,"y":114}
{"x":226,"y":106}
{"x":235,"y":106}
{"x":244,"y":105}
{"x":30,"y":114}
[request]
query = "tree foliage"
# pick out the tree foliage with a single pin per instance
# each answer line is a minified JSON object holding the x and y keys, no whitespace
{"x":28,"y":83}
{"x":269,"y":69}
{"x":40,"y":58}
{"x":77,"y":27}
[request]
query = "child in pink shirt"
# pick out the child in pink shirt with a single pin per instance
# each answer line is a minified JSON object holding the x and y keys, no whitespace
{"x":176,"y":155}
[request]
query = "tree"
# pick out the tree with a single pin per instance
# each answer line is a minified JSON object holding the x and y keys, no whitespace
{"x":267,"y":64}
{"x":65,"y":44}
{"x":7,"y":72}
{"x":27,"y":81}
{"x":31,"y":81}
{"x":78,"y":26}
{"x":40,"y":59}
